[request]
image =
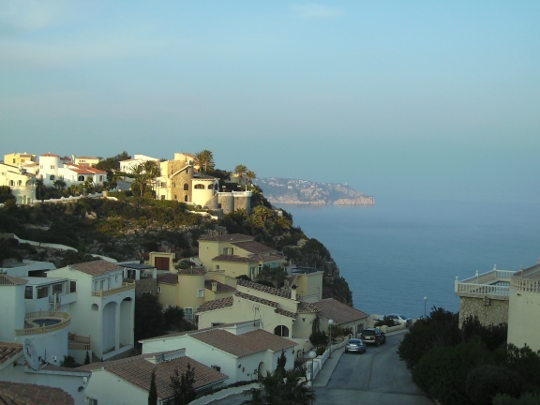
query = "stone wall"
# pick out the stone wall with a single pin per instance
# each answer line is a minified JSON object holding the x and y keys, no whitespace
{"x":488,"y":310}
{"x":178,"y":182}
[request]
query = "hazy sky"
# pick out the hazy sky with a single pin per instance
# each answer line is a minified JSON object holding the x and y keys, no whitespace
{"x":431,"y":98}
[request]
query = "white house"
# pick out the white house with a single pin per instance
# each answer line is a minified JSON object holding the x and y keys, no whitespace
{"x":20,"y":181}
{"x":129,"y":165}
{"x":101,"y":305}
{"x":53,"y":167}
{"x":127,"y":381}
{"x":242,"y":351}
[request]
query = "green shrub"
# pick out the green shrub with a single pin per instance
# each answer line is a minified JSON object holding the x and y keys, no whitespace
{"x":486,"y":380}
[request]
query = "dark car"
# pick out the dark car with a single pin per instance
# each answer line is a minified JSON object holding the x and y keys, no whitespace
{"x":373,"y":336}
{"x":355,"y":346}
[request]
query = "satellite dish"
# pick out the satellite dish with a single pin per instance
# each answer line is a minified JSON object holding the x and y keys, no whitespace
{"x":30,"y":354}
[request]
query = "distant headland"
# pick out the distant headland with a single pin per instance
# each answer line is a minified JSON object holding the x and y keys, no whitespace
{"x":291,"y":191}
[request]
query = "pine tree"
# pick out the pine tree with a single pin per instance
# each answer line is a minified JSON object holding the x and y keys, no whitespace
{"x":152,"y":394}
{"x":182,"y":385}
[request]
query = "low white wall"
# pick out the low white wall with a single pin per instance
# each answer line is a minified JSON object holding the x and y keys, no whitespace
{"x":223,"y":394}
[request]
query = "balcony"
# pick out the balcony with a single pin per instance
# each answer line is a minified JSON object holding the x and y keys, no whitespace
{"x":493,"y":284}
{"x":125,"y":287}
{"x":526,"y":280}
{"x":78,"y":342}
{"x":40,"y":322}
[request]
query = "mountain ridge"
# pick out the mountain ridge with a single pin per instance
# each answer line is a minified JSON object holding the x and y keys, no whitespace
{"x":294,"y":191}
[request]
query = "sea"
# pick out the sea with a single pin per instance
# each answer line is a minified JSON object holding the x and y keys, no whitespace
{"x":403,"y":256}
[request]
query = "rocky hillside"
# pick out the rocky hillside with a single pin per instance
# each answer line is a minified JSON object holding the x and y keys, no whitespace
{"x":290,"y":191}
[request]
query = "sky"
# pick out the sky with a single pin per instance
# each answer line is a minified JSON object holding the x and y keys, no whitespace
{"x":395,"y":98}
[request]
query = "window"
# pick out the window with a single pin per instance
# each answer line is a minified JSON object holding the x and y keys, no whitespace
{"x":159,"y":290}
{"x":281,"y":330}
{"x":162,"y":197}
{"x":200,"y":292}
{"x":186,"y":186}
{"x":210,"y":187}
{"x":101,"y":284}
{"x":52,"y":166}
{"x":51,"y":177}
{"x":188,"y":313}
{"x":29,"y":293}
{"x":92,"y":401}
{"x":217,"y":266}
{"x":252,"y":272}
{"x":57,"y":289}
{"x":186,"y":198}
{"x":72,"y":286}
{"x":80,"y":178}
{"x":11,"y":183}
{"x":198,"y":186}
{"x":19,"y":183}
{"x":14,"y":160}
{"x":217,"y":368}
{"x":100,"y":178}
{"x":42,"y":292}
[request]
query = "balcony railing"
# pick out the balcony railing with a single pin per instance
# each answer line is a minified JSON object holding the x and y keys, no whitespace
{"x":482,"y":290}
{"x":524,"y":284}
{"x":78,"y":342}
{"x":64,"y":318}
{"x":125,"y":287}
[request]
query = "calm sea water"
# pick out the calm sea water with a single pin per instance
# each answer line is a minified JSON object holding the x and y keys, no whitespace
{"x":398,"y":252}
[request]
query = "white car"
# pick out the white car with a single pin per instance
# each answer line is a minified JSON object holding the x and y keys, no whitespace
{"x":399,"y":319}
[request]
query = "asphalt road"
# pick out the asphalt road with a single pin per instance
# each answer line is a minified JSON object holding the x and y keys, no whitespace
{"x":377,"y":377}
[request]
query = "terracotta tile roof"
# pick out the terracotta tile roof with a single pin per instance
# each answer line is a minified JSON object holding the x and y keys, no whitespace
{"x":233,"y":237}
{"x":235,"y":259}
{"x":9,"y":280}
{"x":339,"y":312}
{"x":196,"y":271}
{"x":254,"y":247}
{"x":256,"y":299}
{"x":96,"y":267}
{"x":84,"y":169}
{"x":85,"y":157}
{"x":305,"y":308}
{"x":216,"y":304}
{"x":9,"y":350}
{"x":263,"y":288}
{"x":30,"y":394}
{"x":169,"y":278}
{"x":221,"y":287}
{"x":242,"y":345}
{"x":139,"y":371}
{"x":49,"y":155}
{"x":268,"y":257}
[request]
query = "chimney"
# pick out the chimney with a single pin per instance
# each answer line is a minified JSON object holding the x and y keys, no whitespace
{"x":293,"y":292}
{"x":214,"y":286}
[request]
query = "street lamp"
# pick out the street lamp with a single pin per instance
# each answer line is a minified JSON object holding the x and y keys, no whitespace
{"x":312,"y":355}
{"x":425,"y":307}
{"x":330,"y":322}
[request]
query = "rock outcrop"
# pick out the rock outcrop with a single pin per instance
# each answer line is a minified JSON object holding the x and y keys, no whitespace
{"x":290,"y":191}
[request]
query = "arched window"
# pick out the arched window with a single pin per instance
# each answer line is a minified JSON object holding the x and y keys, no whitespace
{"x":80,"y":178}
{"x":186,"y":198}
{"x":51,"y":177}
{"x":281,"y":330}
{"x":210,"y":187}
{"x":19,"y":183}
{"x":199,"y":186}
{"x":186,"y":186}
{"x":11,"y":183}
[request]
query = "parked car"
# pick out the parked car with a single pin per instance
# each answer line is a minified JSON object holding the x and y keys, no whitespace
{"x":374,"y":336}
{"x":399,"y":319}
{"x":355,"y":346}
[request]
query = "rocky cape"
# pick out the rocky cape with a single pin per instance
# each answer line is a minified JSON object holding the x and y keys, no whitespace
{"x":291,"y":191}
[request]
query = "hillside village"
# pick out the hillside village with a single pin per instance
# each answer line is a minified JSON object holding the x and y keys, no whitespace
{"x":248,"y":299}
{"x":84,"y":312}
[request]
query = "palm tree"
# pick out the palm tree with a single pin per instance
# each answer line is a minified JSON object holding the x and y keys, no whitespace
{"x":284,"y":387}
{"x":205,"y":160}
{"x":250,"y":175}
{"x":240,"y":171}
